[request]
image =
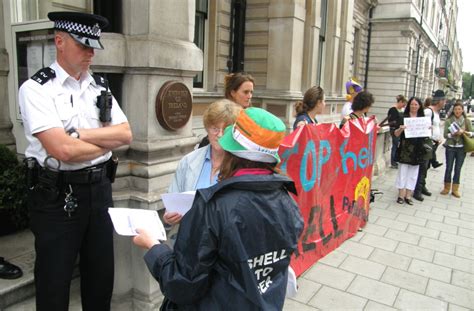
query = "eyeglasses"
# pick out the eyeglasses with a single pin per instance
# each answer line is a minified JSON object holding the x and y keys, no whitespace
{"x":215,"y":130}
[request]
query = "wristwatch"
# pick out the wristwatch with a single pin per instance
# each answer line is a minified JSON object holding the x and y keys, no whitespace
{"x":73,"y":133}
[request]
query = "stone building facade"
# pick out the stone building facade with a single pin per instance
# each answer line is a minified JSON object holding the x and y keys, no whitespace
{"x":287,"y":45}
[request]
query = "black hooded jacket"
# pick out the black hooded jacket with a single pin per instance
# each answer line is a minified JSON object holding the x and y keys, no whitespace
{"x":233,"y":247}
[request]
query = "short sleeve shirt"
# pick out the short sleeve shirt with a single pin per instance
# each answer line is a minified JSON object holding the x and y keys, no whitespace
{"x":62,"y":102}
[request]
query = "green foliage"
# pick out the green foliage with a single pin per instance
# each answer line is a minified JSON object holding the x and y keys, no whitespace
{"x":13,"y":191}
{"x":467,"y":85}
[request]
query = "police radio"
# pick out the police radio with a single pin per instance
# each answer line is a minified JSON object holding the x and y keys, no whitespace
{"x":104,"y":103}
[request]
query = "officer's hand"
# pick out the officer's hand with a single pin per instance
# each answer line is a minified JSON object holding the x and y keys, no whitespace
{"x":144,"y":239}
{"x":172,"y":218}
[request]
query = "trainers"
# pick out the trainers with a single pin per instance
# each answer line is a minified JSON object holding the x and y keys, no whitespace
{"x":437,"y":164}
{"x":425,"y":192}
{"x":394,"y":166}
{"x":9,"y":271}
{"x":418,"y":197}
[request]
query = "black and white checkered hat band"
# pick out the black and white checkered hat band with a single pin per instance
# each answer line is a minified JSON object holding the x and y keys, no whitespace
{"x":79,"y":29}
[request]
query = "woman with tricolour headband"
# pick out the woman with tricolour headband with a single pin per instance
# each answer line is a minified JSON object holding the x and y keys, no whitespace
{"x":233,"y":247}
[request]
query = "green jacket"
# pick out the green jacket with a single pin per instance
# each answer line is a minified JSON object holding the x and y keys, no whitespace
{"x":455,"y":140}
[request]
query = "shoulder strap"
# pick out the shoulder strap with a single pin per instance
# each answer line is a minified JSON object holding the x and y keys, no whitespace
{"x":99,"y":80}
{"x":44,"y":75}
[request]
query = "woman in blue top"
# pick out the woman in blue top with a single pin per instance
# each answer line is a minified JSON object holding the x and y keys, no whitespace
{"x":199,"y":169}
{"x":313,"y":103}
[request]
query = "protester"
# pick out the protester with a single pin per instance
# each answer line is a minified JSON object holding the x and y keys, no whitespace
{"x":352,"y":88}
{"x":313,"y":104}
{"x":234,"y":245}
{"x":393,"y":118}
{"x":410,"y":153}
{"x":454,"y":128}
{"x":427,"y":103}
{"x":8,"y":270}
{"x":70,"y":142}
{"x":238,"y":87}
{"x":199,"y":169}
{"x":432,"y":112}
{"x":360,"y":106}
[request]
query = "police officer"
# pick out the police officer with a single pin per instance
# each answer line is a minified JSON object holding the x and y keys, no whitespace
{"x":72,"y":123}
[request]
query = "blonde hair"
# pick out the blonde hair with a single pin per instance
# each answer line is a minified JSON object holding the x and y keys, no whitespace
{"x":223,"y":110}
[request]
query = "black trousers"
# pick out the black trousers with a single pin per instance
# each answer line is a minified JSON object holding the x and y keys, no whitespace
{"x":59,"y":239}
{"x":421,"y":180}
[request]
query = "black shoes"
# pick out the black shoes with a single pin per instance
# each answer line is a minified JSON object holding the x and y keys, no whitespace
{"x":408,"y":201}
{"x":417,"y":196}
{"x":437,"y":164}
{"x":400,"y":200}
{"x":425,"y":191}
{"x":9,"y":271}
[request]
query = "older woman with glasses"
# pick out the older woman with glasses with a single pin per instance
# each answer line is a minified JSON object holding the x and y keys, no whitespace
{"x":200,"y":168}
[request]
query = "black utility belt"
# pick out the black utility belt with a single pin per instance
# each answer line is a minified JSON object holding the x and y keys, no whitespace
{"x":88,"y":175}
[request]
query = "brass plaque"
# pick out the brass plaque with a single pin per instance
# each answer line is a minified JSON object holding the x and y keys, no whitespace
{"x":173,"y":105}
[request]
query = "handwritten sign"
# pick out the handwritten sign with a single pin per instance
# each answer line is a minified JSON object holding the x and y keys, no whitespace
{"x":417,"y":127}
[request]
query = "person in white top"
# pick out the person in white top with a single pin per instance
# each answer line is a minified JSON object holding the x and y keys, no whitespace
{"x":72,"y":122}
{"x":352,"y":89}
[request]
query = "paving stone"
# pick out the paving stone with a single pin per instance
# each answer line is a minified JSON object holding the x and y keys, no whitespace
{"x":442,"y":227}
{"x":406,"y":280}
{"x":329,"y":298}
{"x":384,"y":213}
{"x":330,"y":276}
{"x":334,"y":258}
{"x":416,"y":220}
{"x":423,"y":208}
{"x":443,"y":212}
{"x":292,"y":305}
{"x":390,"y":259}
{"x":375,"y":306}
{"x":459,"y":223}
{"x":403,"y":236}
{"x":463,"y":279}
{"x":430,"y":270}
{"x":407,"y":300}
{"x":466,"y":217}
{"x":450,"y":293}
{"x":415,"y":252}
{"x":356,"y":249}
{"x":431,"y":233}
{"x":373,"y":290}
{"x":428,"y":216}
{"x":359,"y":235}
{"x":437,"y":245}
{"x":402,"y":209}
{"x":379,"y":242}
{"x":454,"y":262}
{"x":375,"y":229}
{"x":455,"y":239}
{"x":465,"y":252}
{"x":306,"y":290}
{"x":363,"y":267}
{"x":453,"y":307}
{"x":466,"y":233}
{"x":389,"y":223}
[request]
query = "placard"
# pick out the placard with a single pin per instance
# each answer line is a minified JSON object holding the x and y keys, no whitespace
{"x":417,"y":127}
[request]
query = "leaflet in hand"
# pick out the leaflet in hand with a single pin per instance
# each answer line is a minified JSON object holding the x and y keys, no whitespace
{"x":454,"y":127}
{"x":178,"y":202}
{"x":127,"y":220}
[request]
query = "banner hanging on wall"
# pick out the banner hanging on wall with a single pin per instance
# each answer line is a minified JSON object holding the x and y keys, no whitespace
{"x":332,"y":171}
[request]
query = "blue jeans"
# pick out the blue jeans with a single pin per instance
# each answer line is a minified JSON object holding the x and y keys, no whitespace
{"x":395,"y":141}
{"x":454,"y":157}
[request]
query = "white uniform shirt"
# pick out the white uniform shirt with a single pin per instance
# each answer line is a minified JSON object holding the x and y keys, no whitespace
{"x":62,"y":102}
{"x":436,"y":129}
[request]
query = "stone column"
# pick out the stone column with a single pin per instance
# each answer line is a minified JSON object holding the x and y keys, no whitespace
{"x":156,"y":47}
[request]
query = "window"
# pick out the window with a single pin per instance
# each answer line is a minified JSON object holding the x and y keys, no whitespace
{"x":322,"y":39}
{"x":199,"y":36}
{"x":112,"y":10}
{"x":356,"y":53}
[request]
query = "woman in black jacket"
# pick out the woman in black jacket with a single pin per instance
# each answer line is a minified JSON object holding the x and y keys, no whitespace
{"x":234,"y":246}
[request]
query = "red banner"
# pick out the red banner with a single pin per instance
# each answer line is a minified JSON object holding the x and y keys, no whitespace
{"x":332,"y":170}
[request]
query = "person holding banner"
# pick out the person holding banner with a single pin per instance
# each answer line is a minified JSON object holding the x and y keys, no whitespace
{"x":234,"y":246}
{"x":410,"y":153}
{"x":457,"y":125}
{"x":313,"y":104}
{"x":360,"y":106}
{"x":352,"y":89}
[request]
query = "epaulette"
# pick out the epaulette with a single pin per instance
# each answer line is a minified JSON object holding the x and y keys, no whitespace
{"x":44,"y":75}
{"x":99,"y":80}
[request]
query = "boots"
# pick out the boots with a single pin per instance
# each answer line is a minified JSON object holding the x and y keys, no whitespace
{"x":455,"y":191}
{"x":447,"y":187}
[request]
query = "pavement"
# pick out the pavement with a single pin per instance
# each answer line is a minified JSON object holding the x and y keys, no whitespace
{"x":416,"y":257}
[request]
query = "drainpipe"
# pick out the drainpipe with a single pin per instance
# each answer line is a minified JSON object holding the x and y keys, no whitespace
{"x":230,"y":63}
{"x":418,"y":49}
{"x":369,"y":36}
